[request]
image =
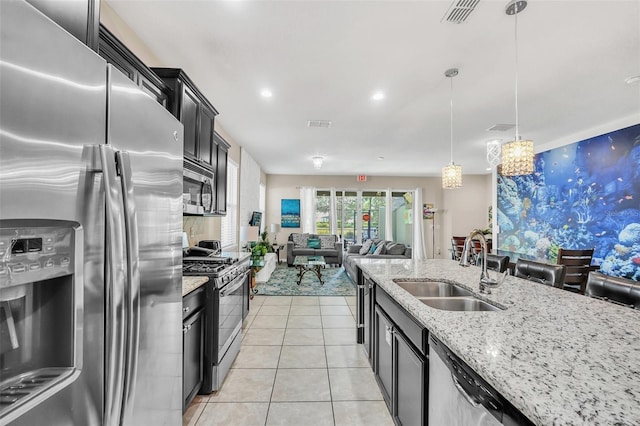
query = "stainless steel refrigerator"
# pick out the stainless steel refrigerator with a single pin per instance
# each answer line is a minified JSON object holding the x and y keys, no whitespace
{"x":90,"y":236}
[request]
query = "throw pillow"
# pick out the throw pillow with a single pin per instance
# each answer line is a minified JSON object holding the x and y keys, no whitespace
{"x":372,"y":249}
{"x":313,"y":243}
{"x":327,"y":241}
{"x":396,"y":249}
{"x":299,"y":240}
{"x":380,"y":248}
{"x":354,"y":248}
{"x":365,"y":247}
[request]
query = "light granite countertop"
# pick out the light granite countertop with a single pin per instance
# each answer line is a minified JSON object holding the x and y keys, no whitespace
{"x":559,"y":357}
{"x":190,"y":283}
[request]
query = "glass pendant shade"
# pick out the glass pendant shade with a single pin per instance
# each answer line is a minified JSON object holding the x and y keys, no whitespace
{"x":452,"y":176}
{"x":517,"y":158}
{"x":493,"y":152}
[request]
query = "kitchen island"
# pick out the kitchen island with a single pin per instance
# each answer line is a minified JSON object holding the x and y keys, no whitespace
{"x":558,"y":357}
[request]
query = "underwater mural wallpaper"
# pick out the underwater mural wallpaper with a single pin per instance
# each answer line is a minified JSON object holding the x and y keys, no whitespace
{"x":582,"y":195}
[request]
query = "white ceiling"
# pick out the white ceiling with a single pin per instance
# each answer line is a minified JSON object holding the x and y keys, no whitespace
{"x":323,"y":60}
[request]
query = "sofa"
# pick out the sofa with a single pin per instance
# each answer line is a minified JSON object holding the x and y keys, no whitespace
{"x":373,"y":249}
{"x":314,"y":245}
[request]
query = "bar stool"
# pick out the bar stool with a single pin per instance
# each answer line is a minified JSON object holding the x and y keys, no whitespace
{"x":613,"y":289}
{"x":543,"y":273}
{"x":577,"y":263}
{"x":497,"y":263}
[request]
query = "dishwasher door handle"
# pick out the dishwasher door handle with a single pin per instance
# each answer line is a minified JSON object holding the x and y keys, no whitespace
{"x":463,"y":392}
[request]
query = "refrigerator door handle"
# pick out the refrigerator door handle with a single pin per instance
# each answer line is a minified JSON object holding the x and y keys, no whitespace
{"x":113,"y":289}
{"x":132,"y":292}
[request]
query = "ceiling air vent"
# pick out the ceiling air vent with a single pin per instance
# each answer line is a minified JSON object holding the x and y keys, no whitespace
{"x":459,"y":11}
{"x":501,"y":127}
{"x":319,"y":123}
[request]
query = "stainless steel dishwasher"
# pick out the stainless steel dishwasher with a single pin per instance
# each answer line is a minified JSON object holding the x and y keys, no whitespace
{"x":460,"y":397}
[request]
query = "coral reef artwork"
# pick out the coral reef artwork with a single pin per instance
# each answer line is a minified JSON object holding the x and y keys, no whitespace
{"x":582,"y":195}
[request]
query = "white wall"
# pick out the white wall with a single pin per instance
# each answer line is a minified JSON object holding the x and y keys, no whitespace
{"x":468,"y":208}
{"x":249,"y":189}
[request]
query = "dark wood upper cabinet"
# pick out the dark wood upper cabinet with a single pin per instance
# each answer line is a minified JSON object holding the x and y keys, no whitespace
{"x":222,"y":156}
{"x":117,"y":54}
{"x":195,"y":112}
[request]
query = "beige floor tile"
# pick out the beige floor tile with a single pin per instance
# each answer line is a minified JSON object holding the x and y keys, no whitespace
{"x":339,"y":336}
{"x":334,"y":310}
{"x":274,"y":310}
{"x":305,"y":310}
{"x":302,"y":357}
{"x":277,"y":300}
{"x":304,"y":321}
{"x":234,"y":413}
{"x":338,"y":321}
{"x":248,"y":321}
{"x":200,"y":398}
{"x":361,"y":413}
{"x":303,"y":336}
{"x":263,"y":336}
{"x":300,"y":413}
{"x":305,"y":301}
{"x":353,"y":384}
{"x":332,"y":300}
{"x":256,"y":302}
{"x":257,"y":357}
{"x":346,"y":356}
{"x":193,"y":412}
{"x":246,"y":385}
{"x":301,"y":385}
{"x":269,"y":321}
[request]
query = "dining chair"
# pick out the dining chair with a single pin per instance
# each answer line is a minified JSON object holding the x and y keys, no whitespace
{"x":457,"y":245}
{"x":577,"y":263}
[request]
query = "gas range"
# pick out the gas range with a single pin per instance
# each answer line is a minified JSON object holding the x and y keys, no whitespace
{"x":221,"y":269}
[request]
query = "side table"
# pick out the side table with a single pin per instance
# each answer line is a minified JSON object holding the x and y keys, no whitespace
{"x":276,"y":249}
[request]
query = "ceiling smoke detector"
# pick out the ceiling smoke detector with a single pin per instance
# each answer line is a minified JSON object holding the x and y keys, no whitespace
{"x":501,"y":127}
{"x":325,"y":124}
{"x":459,"y":11}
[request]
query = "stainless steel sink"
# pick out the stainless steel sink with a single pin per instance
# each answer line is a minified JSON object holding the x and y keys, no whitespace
{"x":432,"y":288}
{"x":458,"y":304}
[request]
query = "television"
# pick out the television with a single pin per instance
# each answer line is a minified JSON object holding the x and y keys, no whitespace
{"x":256,"y":219}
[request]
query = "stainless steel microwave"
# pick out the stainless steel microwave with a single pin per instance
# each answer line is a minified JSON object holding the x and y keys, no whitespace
{"x":198,"y":186}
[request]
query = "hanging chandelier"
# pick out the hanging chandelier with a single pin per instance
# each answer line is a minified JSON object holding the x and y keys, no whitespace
{"x":452,"y":173}
{"x":517,"y":155}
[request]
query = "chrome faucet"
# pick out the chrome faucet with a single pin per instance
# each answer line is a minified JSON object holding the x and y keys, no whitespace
{"x":486,"y":282}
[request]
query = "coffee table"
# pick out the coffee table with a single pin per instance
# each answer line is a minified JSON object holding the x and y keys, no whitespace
{"x":305,"y":264}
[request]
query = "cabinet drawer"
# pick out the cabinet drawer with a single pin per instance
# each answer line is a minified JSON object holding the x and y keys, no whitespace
{"x":193,"y":301}
{"x":415,"y":332}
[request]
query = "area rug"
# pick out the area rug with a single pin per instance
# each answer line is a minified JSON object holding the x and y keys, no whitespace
{"x":283,"y":283}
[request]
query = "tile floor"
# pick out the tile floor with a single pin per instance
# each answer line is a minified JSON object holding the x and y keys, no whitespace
{"x":299,"y":365}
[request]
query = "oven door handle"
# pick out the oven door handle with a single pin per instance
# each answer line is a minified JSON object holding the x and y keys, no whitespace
{"x":234,"y":286}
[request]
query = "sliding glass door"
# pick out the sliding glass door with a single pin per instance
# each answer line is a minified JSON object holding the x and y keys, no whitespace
{"x":362,"y":214}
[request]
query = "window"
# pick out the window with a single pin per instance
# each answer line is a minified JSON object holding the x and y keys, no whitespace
{"x":229,"y":228}
{"x":363,"y":214}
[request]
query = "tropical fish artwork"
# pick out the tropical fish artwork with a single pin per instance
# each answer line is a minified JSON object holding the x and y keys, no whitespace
{"x":582,"y":195}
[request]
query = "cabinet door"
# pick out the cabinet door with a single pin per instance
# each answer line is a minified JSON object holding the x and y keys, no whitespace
{"x":154,"y":91}
{"x":368,"y":305}
{"x":206,"y":147}
{"x":192,"y":362}
{"x":383,"y":366}
{"x":409,"y":389}
{"x":189,"y":119}
{"x":113,"y":57}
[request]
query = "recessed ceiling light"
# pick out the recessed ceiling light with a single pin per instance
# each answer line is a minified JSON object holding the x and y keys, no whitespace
{"x":266,"y":93}
{"x":489,"y":169}
{"x":631,"y":80}
{"x":380,"y":158}
{"x":378,"y":96}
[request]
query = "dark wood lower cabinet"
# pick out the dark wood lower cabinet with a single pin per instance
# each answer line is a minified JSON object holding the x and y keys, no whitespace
{"x":193,"y":316}
{"x":192,"y":366}
{"x":401,"y":368}
{"x":411,"y":383}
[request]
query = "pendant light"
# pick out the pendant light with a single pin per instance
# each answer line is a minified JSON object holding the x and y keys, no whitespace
{"x":451,"y":174}
{"x":517,"y":155}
